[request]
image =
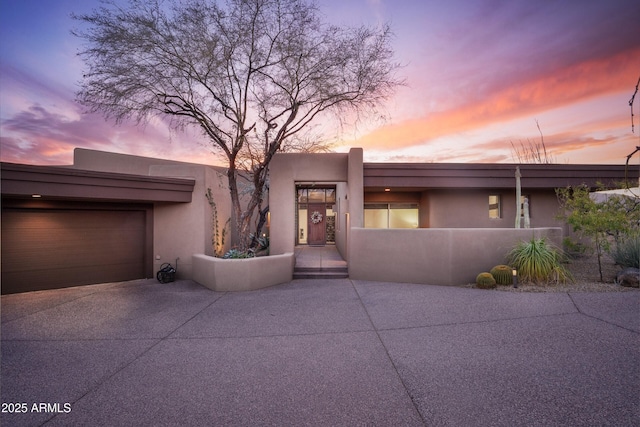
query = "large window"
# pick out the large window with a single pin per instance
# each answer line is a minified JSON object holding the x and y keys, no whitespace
{"x":391,"y":215}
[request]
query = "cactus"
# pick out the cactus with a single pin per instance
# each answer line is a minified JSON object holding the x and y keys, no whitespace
{"x":485,"y":281}
{"x":502,"y":274}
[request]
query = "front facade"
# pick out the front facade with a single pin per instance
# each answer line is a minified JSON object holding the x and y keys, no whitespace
{"x":421,"y":223}
{"x":413,"y":195}
{"x":112,"y":217}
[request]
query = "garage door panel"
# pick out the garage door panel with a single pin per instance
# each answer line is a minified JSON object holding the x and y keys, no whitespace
{"x":76,"y":219}
{"x":76,"y":251}
{"x":24,"y":260}
{"x":31,"y":280}
{"x":55,"y":248}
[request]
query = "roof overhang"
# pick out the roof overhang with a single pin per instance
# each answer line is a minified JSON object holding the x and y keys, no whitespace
{"x":451,"y":176}
{"x":59,"y":182}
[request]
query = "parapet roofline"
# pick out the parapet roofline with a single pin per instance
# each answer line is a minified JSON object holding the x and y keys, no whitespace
{"x":60,"y":182}
{"x":432,"y":176}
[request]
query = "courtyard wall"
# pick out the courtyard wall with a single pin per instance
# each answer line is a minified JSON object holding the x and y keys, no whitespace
{"x":435,"y":256}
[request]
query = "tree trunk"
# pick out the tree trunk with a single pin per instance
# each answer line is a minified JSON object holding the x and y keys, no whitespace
{"x":236,"y":206}
{"x":261,"y":221}
{"x":599,"y":251}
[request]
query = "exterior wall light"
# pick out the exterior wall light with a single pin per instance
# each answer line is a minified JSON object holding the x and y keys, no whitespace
{"x":36,"y":196}
{"x":387,"y":189}
{"x":515,"y":277}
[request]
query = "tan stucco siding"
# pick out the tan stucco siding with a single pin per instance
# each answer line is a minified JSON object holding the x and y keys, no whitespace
{"x":341,"y":169}
{"x":442,"y":256}
{"x":470,"y":208}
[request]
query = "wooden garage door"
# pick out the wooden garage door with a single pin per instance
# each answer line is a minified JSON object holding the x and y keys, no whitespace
{"x":44,"y":249}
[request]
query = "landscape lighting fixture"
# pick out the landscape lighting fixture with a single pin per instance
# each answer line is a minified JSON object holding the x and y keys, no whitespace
{"x":36,"y":196}
{"x":515,"y":277}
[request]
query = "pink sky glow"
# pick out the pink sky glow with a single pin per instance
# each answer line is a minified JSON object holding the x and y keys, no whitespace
{"x":480,"y":74}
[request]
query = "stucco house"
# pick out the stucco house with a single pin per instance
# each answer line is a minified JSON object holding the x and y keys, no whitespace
{"x":113,"y":217}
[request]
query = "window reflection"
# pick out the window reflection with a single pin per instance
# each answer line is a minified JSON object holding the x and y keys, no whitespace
{"x":316,"y":195}
{"x":391,"y":215}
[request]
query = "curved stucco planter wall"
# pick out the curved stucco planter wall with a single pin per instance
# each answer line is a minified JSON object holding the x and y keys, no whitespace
{"x":229,"y":275}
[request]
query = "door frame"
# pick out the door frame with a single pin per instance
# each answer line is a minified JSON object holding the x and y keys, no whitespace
{"x":303,"y":225}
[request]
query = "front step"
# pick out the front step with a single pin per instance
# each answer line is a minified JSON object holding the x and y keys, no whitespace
{"x":320,"y":273}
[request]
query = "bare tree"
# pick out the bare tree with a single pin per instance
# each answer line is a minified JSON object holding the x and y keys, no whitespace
{"x":252,"y":74}
{"x":631,"y":101}
{"x":532,"y":152}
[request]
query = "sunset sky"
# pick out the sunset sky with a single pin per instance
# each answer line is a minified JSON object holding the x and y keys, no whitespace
{"x":480,"y":74}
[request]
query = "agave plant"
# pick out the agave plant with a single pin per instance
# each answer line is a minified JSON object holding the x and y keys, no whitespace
{"x":237,"y":254}
{"x":539,"y":262}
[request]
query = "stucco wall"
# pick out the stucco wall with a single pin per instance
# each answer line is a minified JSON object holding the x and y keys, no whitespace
{"x":114,"y":162}
{"x":470,"y":208}
{"x":181,"y":230}
{"x":342,"y":208}
{"x":356,"y":187}
{"x":436,"y":256}
{"x":232,"y":275}
{"x":342,"y":169}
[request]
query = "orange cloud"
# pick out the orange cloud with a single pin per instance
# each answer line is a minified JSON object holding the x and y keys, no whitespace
{"x":566,"y":86}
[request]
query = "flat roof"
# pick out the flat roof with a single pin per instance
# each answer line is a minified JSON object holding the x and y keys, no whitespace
{"x":430,"y":176}
{"x":68,"y":183}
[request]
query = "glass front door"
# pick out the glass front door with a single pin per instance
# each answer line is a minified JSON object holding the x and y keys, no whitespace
{"x":315,"y":219}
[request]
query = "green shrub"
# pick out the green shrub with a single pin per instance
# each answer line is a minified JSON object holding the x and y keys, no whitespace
{"x":485,"y":281}
{"x":502,"y":274}
{"x":626,"y":252}
{"x":574,"y":249}
{"x":538,"y":262}
{"x":237,"y":254}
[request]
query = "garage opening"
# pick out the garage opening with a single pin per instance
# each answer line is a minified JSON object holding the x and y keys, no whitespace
{"x":70,"y":246}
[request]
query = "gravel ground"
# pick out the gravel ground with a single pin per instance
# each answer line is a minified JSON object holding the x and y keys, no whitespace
{"x":587,"y":278}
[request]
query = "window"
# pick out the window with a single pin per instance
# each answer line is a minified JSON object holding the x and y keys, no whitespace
{"x":376,"y":215}
{"x":522,"y":199}
{"x":316,"y":195}
{"x":391,"y":215}
{"x":494,"y":206}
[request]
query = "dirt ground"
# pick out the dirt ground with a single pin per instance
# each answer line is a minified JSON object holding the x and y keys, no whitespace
{"x":587,"y":278}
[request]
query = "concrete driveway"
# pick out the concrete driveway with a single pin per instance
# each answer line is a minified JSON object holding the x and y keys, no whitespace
{"x":313,"y":352}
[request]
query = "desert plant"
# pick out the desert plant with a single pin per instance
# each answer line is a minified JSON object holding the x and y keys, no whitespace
{"x":503,"y":274}
{"x":539,"y":262}
{"x":603,"y":222}
{"x":485,"y":281}
{"x":261,"y":243}
{"x":238,"y":254}
{"x":573,"y":248}
{"x":626,"y":252}
{"x":217,"y":235}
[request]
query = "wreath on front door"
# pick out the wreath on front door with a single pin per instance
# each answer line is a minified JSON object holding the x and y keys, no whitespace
{"x":316,"y":217}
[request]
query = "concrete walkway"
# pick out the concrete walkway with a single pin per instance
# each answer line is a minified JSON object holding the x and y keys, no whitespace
{"x":319,"y":262}
{"x":318,"y":257}
{"x":312,"y":352}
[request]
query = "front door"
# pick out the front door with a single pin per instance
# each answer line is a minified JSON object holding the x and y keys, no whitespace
{"x":316,"y":224}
